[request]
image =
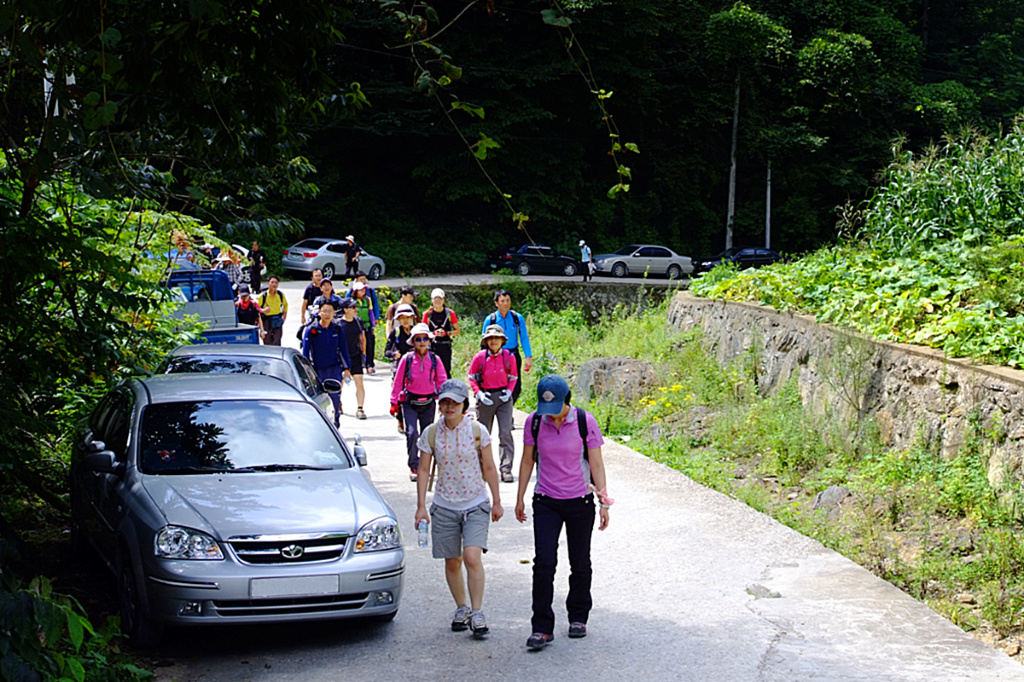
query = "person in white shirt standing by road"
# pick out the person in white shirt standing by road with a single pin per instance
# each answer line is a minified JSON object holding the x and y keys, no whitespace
{"x":587,"y":258}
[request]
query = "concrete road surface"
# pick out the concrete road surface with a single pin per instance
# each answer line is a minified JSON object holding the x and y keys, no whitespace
{"x":688,"y":585}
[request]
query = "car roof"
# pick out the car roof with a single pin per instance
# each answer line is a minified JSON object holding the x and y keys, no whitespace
{"x":245,"y":350}
{"x":172,"y":388}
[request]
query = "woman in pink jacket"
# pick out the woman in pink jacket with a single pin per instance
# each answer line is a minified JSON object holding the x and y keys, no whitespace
{"x":493,"y":377}
{"x":418,"y":380}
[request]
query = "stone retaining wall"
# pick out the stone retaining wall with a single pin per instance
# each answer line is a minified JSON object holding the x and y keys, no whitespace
{"x":909,"y":391}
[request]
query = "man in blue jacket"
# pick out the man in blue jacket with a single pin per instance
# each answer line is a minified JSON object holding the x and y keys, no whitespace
{"x":514,"y":326}
{"x":323,"y":343}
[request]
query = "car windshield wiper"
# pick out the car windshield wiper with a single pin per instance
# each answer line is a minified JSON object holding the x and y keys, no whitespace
{"x":281,"y":467}
{"x":194,"y":470}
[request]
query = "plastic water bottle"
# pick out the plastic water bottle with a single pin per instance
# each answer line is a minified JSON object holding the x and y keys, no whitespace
{"x":421,"y":529}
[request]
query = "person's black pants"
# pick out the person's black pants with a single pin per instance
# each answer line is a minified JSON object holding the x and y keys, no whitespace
{"x":444,"y":352}
{"x":519,"y":373}
{"x":371,"y":345}
{"x":549,"y":515}
{"x":415,"y":420}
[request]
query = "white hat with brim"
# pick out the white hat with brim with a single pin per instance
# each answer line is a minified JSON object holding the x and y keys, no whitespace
{"x":418,"y":329}
{"x":356,"y":286}
{"x":404,"y":310}
{"x":223,"y":258}
{"x":437,"y":293}
{"x":350,"y":238}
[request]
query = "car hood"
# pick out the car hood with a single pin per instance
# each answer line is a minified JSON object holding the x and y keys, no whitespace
{"x":225,"y":505}
{"x":606,"y":256}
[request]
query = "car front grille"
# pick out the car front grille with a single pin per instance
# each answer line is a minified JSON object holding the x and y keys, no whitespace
{"x":290,"y":606}
{"x":288,"y":549}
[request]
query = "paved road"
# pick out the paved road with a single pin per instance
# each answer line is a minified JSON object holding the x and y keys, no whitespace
{"x":688,"y":585}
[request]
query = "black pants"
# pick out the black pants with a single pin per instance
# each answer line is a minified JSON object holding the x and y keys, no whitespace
{"x":519,"y":373}
{"x":416,"y":419}
{"x":371,"y":345}
{"x":549,"y":515}
{"x":586,"y":272}
{"x":351,"y":268}
{"x":444,"y":352}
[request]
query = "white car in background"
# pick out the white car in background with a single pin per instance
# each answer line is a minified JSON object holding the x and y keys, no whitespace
{"x":245,"y":259}
{"x":637,"y":259}
{"x":329,"y":256}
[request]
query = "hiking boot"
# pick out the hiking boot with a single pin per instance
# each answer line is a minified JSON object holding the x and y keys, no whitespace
{"x":538,"y":641}
{"x":360,"y":414}
{"x":460,"y":619}
{"x":577,"y":630}
{"x":478,"y":625}
{"x":506,"y":477}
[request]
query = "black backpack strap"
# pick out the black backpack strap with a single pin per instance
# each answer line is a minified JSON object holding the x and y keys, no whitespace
{"x":534,"y":430}
{"x":581,"y":419}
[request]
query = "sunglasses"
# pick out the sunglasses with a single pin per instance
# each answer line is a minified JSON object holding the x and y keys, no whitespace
{"x":421,"y":339}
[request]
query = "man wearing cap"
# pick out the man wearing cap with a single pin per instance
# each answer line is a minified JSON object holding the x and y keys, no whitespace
{"x":443,"y":324}
{"x":460,"y":513}
{"x":514,"y":326}
{"x":355,"y":339}
{"x":405,"y":297}
{"x":418,"y":380}
{"x":324,"y":345}
{"x":493,"y":378}
{"x":565,"y":442}
{"x":352,"y":251}
{"x":587,"y":258}
{"x":367,"y":312}
{"x":246,"y":308}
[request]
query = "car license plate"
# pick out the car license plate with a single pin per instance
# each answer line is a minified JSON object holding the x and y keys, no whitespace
{"x":295,"y":256}
{"x":306,"y":586}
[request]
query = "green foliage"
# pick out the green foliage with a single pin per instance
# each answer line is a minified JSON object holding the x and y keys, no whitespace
{"x":46,"y":636}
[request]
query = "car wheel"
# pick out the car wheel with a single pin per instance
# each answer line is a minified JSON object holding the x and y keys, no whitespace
{"x":523,"y":269}
{"x":374,"y":272}
{"x":674,"y":272}
{"x":569,"y":270}
{"x":136,"y":626}
{"x":619,"y":270}
{"x":328,"y":271}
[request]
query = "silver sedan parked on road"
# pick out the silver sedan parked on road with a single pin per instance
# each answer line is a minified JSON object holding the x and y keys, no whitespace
{"x":230,"y":499}
{"x":637,"y":259}
{"x":329,"y":256}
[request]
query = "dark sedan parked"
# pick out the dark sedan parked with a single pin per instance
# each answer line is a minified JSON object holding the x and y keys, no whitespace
{"x":745,"y":257}
{"x":534,"y":259}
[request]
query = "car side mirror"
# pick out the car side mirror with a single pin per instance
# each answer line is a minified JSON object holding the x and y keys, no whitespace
{"x":104,"y":462}
{"x":332,"y":385}
{"x":360,"y":452}
{"x":95,"y":446}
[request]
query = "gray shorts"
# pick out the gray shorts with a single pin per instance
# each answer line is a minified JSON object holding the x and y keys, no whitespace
{"x":451,"y":530}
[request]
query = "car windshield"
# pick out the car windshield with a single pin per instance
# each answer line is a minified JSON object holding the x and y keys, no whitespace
{"x":226,"y":364}
{"x":236,"y":436}
{"x":310,"y":244}
{"x":627,"y":250}
{"x":728,"y":253}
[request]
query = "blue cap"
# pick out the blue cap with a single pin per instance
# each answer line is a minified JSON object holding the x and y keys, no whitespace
{"x":551,"y":392}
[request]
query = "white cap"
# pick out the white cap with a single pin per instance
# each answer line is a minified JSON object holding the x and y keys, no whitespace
{"x":418,"y":329}
{"x":437,"y":293}
{"x":404,"y":309}
{"x":223,"y":257}
{"x":582,"y":243}
{"x":350,"y":238}
{"x":356,"y":286}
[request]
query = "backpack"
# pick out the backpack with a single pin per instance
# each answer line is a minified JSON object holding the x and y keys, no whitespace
{"x":431,"y":434}
{"x":581,"y":420}
{"x":506,"y":358}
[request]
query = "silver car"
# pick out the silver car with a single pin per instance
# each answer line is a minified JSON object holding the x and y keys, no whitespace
{"x":282,"y":362}
{"x":329,"y":256}
{"x":230,"y":499}
{"x":637,"y":259}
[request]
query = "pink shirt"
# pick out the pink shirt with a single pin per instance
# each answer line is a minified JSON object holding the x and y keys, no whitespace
{"x":489,"y":371}
{"x":422,"y":380}
{"x":562,"y":472}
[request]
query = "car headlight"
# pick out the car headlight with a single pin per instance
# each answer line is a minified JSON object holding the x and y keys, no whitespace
{"x":377,"y":535}
{"x":175,"y":542}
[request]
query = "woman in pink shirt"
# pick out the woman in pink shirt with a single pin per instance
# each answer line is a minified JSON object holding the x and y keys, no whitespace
{"x":492,"y":376}
{"x":418,"y":380}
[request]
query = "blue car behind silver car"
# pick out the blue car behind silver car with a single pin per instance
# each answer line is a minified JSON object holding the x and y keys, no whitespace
{"x":222,"y":499}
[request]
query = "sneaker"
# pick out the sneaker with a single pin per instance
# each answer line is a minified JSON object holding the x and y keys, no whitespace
{"x":506,"y":477}
{"x":577,"y":630}
{"x":413,"y":475}
{"x":371,"y":370}
{"x":478,"y":625}
{"x":460,"y":619}
{"x":538,"y":641}
{"x":360,"y":414}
